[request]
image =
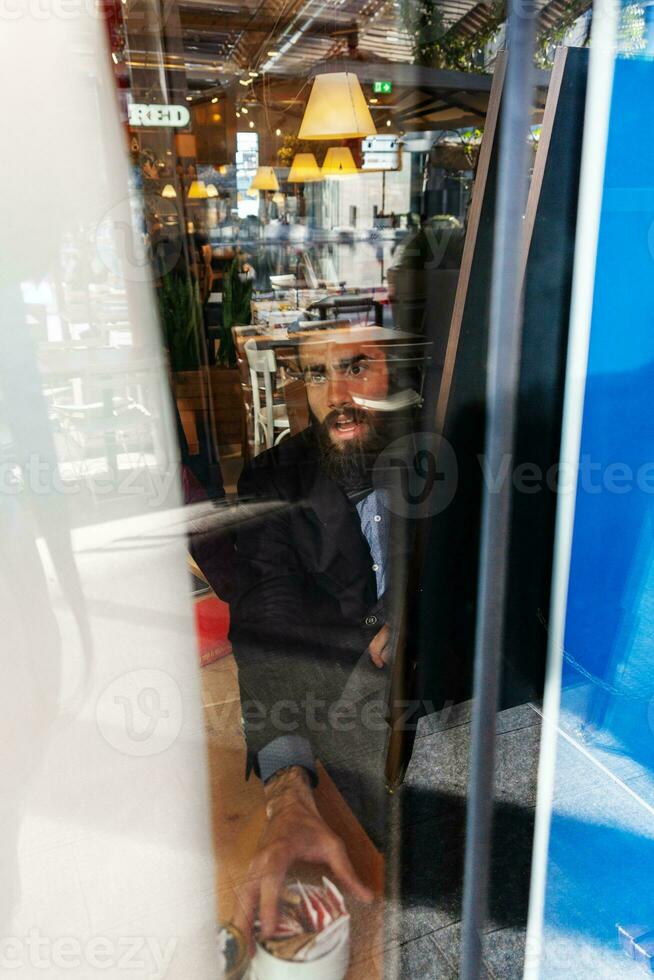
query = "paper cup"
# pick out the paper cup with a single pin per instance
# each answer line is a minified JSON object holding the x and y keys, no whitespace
{"x":331,"y":966}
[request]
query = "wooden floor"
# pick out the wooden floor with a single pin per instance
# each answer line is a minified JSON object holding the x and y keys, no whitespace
{"x":238,"y":818}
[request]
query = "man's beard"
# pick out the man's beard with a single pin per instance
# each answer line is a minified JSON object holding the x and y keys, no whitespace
{"x":349,"y":462}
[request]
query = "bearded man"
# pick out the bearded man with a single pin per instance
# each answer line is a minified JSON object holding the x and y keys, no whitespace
{"x":311,"y":604}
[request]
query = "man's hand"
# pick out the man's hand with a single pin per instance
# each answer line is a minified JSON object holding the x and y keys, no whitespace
{"x":294,"y":831}
{"x":380,"y":647}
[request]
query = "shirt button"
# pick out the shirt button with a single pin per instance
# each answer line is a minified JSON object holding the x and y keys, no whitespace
{"x":371,"y":620}
{"x":377,"y":518}
{"x":375,"y":568}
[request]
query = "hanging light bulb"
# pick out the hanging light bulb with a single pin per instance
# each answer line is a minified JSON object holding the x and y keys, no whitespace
{"x":265,"y":179}
{"x":336,"y":108}
{"x":304,"y":169}
{"x":339,"y":162}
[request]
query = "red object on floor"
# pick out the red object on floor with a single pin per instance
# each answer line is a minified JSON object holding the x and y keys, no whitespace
{"x":212,"y":628}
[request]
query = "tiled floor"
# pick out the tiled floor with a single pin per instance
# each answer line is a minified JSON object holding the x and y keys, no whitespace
{"x":433,"y":808}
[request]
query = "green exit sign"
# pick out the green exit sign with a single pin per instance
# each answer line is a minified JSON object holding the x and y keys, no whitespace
{"x":382,"y":88}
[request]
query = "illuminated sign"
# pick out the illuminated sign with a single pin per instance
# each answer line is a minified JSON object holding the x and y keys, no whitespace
{"x":158,"y":115}
{"x":382,"y":88}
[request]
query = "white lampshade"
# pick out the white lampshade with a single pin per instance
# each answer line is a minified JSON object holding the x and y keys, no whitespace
{"x":265,"y":179}
{"x":212,"y":190}
{"x":169,"y":191}
{"x":337,"y":107}
{"x":339,"y":162}
{"x":198,"y":191}
{"x":304,"y":169}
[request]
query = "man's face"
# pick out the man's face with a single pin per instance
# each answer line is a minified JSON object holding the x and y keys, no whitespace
{"x":337,"y":378}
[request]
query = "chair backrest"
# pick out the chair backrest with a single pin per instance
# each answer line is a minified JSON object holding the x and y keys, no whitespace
{"x":262,"y":363}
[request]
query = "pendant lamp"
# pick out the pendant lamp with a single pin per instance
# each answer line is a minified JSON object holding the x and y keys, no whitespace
{"x":304,"y":169}
{"x":212,"y":190}
{"x":337,"y":108}
{"x":339,"y":162}
{"x":265,"y":179}
{"x":197,"y":191}
{"x":279,"y":199}
{"x":169,"y":191}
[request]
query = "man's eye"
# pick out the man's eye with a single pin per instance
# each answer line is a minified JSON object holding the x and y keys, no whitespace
{"x":316,"y":379}
{"x":357,"y":369}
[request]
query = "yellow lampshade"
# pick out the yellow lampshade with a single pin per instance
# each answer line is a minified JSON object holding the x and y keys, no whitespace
{"x":339,"y":162}
{"x":212,"y":190}
{"x":337,"y":107}
{"x":304,"y":169}
{"x":265,"y":179}
{"x":169,"y":191}
{"x":197,"y":191}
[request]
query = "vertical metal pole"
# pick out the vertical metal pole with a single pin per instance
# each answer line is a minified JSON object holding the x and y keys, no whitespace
{"x":503,"y":367}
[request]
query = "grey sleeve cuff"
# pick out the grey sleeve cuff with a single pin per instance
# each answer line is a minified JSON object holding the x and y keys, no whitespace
{"x":285,"y":751}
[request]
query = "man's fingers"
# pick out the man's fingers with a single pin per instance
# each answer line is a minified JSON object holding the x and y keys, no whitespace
{"x":376,"y":657}
{"x":340,"y":864}
{"x":269,"y":904}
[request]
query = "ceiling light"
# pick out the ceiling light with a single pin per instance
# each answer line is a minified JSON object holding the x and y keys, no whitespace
{"x":189,"y":98}
{"x":339,"y":162}
{"x":336,"y":108}
{"x":244,"y":81}
{"x":388,"y":122}
{"x":251,"y":124}
{"x":278,"y":132}
{"x":272,"y":54}
{"x":215,"y":99}
{"x":238,"y":115}
{"x":304,"y":169}
{"x":244,"y":111}
{"x":198,"y":191}
{"x":265,"y":179}
{"x":253,"y":74}
{"x":114,"y":57}
{"x":373,"y":101}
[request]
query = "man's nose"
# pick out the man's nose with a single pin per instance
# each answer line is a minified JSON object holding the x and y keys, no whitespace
{"x":338,"y":392}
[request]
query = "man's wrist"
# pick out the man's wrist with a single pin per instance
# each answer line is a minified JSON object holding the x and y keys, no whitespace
{"x":288,"y":787}
{"x":282,"y":753}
